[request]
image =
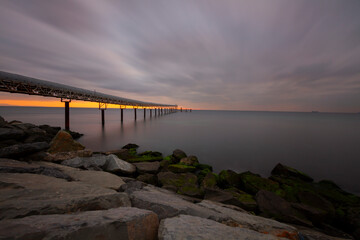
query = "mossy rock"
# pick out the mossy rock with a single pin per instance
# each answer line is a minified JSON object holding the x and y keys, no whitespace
{"x":191,"y":190}
{"x":132,"y":151}
{"x":151,"y":154}
{"x":228,"y":178}
{"x":210,"y":180}
{"x":130,"y":146}
{"x":242,"y":199}
{"x":336,"y":195}
{"x":148,"y":178}
{"x":201,"y":174}
{"x":201,"y":166}
{"x":252,"y":183}
{"x":289,"y":172}
{"x":176,"y":180}
{"x":180,"y":168}
{"x":179,"y":154}
{"x":190,"y":161}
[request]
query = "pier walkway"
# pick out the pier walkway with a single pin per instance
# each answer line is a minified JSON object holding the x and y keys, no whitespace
{"x":14,"y":83}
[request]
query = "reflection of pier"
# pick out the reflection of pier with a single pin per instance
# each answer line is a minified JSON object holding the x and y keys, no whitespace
{"x":14,"y":83}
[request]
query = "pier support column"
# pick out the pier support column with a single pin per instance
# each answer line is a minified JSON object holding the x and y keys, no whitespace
{"x":103,"y":117}
{"x":135,"y":113}
{"x":67,"y":113}
{"x":122,"y":114}
{"x":155,"y":112}
{"x":150,"y":112}
{"x":144,"y":113}
{"x":67,"y":116}
{"x":102,"y":107}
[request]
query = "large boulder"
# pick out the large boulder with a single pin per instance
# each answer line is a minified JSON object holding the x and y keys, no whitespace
{"x":287,"y":172}
{"x":166,"y":204}
{"x":8,"y":133}
{"x":24,"y":194}
{"x":272,"y":206}
{"x":178,"y":154}
{"x":190,"y":227}
{"x":117,"y":223}
{"x":209,"y":181}
{"x":2,"y":121}
{"x":252,"y":183}
{"x":96,"y":178}
{"x":148,"y":178}
{"x":116,"y":165}
{"x":63,"y":142}
{"x":22,"y":150}
{"x":147,"y":167}
{"x":130,"y":146}
{"x":122,"y":153}
{"x":256,"y":223}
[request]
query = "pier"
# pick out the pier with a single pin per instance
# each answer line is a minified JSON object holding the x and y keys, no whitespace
{"x":14,"y":83}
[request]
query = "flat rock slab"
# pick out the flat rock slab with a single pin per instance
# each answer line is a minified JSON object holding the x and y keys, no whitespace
{"x":166,"y":204}
{"x":14,"y":166}
{"x":190,"y":227}
{"x":256,"y":223}
{"x":24,"y":194}
{"x":117,"y":223}
{"x":96,"y":178}
{"x":21,"y":150}
{"x":97,"y":162}
{"x":147,"y":167}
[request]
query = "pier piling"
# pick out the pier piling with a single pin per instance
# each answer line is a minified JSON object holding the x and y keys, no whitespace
{"x":103,"y":117}
{"x":144,"y":113}
{"x":67,"y":116}
{"x":122,"y":114}
{"x":135,"y":113}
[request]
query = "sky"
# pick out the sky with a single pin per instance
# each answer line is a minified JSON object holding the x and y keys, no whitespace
{"x":273,"y":55}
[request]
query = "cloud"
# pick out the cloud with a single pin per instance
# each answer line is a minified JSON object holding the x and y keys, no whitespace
{"x":270,"y":55}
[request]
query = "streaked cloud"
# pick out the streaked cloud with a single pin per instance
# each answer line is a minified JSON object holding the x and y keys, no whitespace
{"x":251,"y":55}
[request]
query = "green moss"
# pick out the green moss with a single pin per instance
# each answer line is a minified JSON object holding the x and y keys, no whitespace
{"x":210,"y":180}
{"x":179,"y":180}
{"x":144,"y":158}
{"x":191,"y":190}
{"x":132,"y":151}
{"x":336,"y":195}
{"x":228,"y":178}
{"x":181,"y":168}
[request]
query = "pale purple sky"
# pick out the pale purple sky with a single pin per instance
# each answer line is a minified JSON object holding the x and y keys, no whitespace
{"x":298,"y":55}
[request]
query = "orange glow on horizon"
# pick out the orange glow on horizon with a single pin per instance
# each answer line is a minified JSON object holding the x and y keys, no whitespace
{"x":58,"y":103}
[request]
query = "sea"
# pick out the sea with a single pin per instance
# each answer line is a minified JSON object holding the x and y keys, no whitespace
{"x":323,"y":145}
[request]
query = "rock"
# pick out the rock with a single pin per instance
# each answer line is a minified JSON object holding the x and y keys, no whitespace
{"x":180,"y":168}
{"x":63,"y":142}
{"x":2,"y":121}
{"x":178,"y":154}
{"x":190,"y":160}
{"x":148,"y":156}
{"x":96,"y":178}
{"x":256,"y":223}
{"x":8,"y":133}
{"x":191,"y":190}
{"x":147,"y":167}
{"x":13,"y":166}
{"x":166,"y":204}
{"x":23,"y":194}
{"x":228,"y":178}
{"x":7,"y":143}
{"x":122,"y":153}
{"x":75,"y":135}
{"x":311,"y":234}
{"x":21,"y":150}
{"x":148,"y":178}
{"x":116,"y":165}
{"x":252,"y":183}
{"x":96,"y":162}
{"x":285,"y":171}
{"x":117,"y":223}
{"x":176,"y":180}
{"x":233,"y":197}
{"x":190,"y":227}
{"x":130,"y":146}
{"x":62,"y":156}
{"x":271,"y":205}
{"x":132,"y":186}
{"x":204,"y":166}
{"x":209,"y":181}
{"x":318,"y":202}
{"x":338,"y":197}
{"x":151,"y":154}
{"x":241,"y":199}
{"x":50,"y":130}
{"x":37,"y":138}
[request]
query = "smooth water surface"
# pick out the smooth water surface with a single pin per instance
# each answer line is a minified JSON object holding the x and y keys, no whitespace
{"x":324,"y":145}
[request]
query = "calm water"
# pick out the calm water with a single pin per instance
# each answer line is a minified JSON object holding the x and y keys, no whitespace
{"x":324,"y":145}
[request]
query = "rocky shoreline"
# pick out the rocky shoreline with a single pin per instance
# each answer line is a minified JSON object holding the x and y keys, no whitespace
{"x":52,"y":187}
